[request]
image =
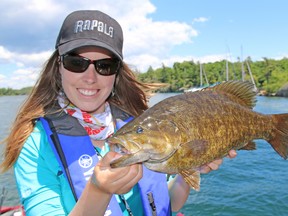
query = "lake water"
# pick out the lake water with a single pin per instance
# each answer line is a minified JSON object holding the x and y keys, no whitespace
{"x":254,"y":183}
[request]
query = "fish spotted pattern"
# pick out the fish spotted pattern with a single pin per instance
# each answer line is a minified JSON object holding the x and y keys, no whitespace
{"x":181,"y":133}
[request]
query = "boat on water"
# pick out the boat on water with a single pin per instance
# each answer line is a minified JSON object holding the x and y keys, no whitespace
{"x":16,"y":210}
{"x":201,"y":86}
{"x":243,"y":73}
{"x":12,"y":210}
{"x":193,"y":89}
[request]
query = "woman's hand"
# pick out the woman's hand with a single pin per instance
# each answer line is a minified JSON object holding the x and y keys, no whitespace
{"x":115,"y":180}
{"x":105,"y":182}
{"x":214,"y":165}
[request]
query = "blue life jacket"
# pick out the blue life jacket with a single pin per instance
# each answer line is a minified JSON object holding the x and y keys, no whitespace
{"x":77,"y":158}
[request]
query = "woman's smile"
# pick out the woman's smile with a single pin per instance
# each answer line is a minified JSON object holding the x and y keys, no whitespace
{"x":88,"y":92}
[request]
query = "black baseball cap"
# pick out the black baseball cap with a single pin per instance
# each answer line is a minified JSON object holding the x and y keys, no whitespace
{"x":90,"y":28}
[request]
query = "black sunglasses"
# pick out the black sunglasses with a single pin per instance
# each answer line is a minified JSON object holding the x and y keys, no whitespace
{"x":79,"y":64}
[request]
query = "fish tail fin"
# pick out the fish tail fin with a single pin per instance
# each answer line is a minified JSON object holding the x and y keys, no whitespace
{"x":279,"y":140}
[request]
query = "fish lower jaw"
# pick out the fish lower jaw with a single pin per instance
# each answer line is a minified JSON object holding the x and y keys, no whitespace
{"x":160,"y":167}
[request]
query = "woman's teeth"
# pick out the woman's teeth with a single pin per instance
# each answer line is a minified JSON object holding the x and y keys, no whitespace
{"x":87,"y":92}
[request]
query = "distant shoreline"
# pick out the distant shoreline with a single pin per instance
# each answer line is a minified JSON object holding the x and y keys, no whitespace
{"x":280,"y":93}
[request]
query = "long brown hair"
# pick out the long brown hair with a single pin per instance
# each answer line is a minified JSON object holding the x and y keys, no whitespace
{"x":129,"y":95}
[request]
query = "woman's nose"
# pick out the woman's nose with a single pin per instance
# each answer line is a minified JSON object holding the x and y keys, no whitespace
{"x":90,"y":75}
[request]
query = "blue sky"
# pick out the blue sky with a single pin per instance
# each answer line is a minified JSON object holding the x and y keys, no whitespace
{"x":155,"y":32}
{"x":260,"y":27}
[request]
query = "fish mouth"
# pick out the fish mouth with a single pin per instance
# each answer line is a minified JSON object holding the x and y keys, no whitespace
{"x":116,"y":146}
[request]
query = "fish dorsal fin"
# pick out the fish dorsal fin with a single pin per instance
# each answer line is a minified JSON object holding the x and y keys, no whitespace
{"x":241,"y":92}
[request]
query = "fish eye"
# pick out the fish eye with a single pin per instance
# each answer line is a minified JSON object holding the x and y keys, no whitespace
{"x":139,"y":130}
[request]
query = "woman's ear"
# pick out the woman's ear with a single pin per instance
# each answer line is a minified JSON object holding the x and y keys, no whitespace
{"x":59,"y":60}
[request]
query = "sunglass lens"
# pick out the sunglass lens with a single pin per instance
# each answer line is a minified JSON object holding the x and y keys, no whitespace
{"x":75,"y":63}
{"x":106,"y":67}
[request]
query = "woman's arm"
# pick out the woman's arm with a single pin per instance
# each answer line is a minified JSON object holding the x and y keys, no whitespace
{"x":38,"y":178}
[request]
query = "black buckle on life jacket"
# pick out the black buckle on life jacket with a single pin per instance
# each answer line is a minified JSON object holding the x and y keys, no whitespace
{"x":152,"y":203}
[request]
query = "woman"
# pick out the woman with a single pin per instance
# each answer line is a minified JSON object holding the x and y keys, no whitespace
{"x":57,"y":141}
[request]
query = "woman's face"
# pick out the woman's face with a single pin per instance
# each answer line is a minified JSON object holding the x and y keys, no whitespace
{"x":88,"y":90}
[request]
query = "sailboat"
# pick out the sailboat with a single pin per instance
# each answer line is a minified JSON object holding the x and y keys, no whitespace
{"x":201,"y":86}
{"x":16,"y":210}
{"x":243,"y":71}
{"x":251,"y":77}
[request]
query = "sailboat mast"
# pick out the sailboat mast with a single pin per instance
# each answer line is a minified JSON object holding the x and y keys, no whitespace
{"x":201,"y":76}
{"x":242,"y":65}
{"x":205,"y":76}
{"x":251,"y":76}
{"x":227,"y":70}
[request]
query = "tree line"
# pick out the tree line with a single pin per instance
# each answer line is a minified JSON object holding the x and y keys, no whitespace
{"x":10,"y":91}
{"x":269,"y":74}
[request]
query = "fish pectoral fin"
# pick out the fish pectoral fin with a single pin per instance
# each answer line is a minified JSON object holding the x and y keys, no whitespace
{"x":192,"y":178}
{"x":196,"y":147}
{"x":249,"y":146}
{"x":129,"y":159}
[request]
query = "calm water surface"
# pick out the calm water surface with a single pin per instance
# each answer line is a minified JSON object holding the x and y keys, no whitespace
{"x":8,"y":108}
{"x":254,"y":183}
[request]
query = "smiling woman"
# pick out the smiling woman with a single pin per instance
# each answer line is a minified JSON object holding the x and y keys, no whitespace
{"x":83,"y":92}
{"x":57,"y":144}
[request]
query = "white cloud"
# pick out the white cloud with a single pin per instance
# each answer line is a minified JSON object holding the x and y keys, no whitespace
{"x":24,"y":59}
{"x":281,"y":56}
{"x":157,"y":38}
{"x":200,"y":19}
{"x":5,"y":54}
{"x":2,"y":77}
{"x":20,"y":78}
{"x":33,"y":59}
{"x":27,"y":67}
{"x":30,"y":10}
{"x":31,"y":31}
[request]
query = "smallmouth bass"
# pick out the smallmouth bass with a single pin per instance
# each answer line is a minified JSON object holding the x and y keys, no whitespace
{"x":181,"y":133}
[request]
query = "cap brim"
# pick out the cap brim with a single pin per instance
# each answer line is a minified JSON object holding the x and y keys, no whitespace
{"x":75,"y":44}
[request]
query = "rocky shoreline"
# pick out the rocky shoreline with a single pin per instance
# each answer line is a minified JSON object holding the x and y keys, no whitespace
{"x":283,"y":92}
